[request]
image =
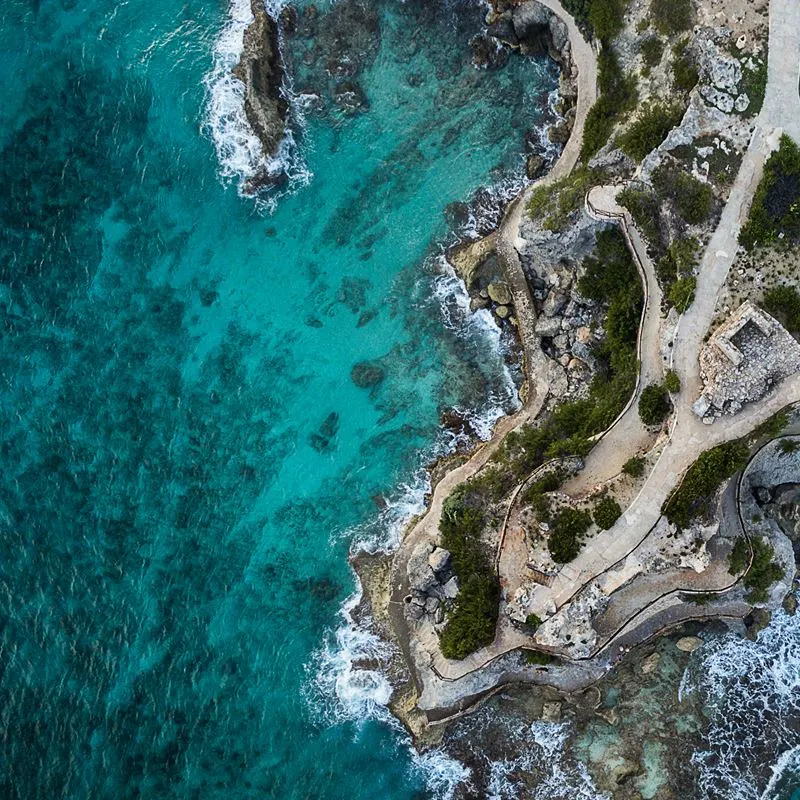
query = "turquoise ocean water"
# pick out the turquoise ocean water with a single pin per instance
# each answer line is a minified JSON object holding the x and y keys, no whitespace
{"x":186,"y":460}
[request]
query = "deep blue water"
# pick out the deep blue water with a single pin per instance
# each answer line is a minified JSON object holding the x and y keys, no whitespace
{"x":185,"y":458}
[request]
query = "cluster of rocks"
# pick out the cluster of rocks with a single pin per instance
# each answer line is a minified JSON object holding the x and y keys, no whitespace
{"x":720,"y":71}
{"x":744,"y":359}
{"x":433,"y":584}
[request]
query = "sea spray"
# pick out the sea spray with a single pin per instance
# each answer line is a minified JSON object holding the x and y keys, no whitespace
{"x":751,"y":690}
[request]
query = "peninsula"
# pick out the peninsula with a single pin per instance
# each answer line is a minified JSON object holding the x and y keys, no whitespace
{"x":651,"y":476}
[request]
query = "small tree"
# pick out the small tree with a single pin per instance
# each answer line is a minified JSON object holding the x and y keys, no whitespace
{"x":681,"y":293}
{"x":634,"y":467}
{"x":606,"y":512}
{"x":654,"y":404}
{"x":563,"y":542}
{"x":672,"y":383}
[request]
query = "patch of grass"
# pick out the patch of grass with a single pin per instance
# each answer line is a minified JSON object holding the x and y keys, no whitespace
{"x":754,"y":83}
{"x":654,"y":404}
{"x":678,"y":262}
{"x":776,"y":205}
{"x":681,"y":293}
{"x":606,"y":512}
{"x":783,"y":302}
{"x":672,"y":16}
{"x":788,"y":446}
{"x":471,"y":623}
{"x":672,"y":383}
{"x":618,"y":96}
{"x":564,"y":540}
{"x":700,"y":599}
{"x":538,"y":659}
{"x":773,"y":426}
{"x":532,"y":621}
{"x":692,"y":498}
{"x":650,"y":129}
{"x":634,"y":467}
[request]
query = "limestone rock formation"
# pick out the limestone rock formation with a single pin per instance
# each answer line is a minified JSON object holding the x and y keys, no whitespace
{"x":261,"y":72}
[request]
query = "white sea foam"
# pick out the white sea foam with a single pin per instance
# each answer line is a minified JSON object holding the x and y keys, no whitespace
{"x":752,"y":693}
{"x":239,"y":151}
{"x":442,"y":774}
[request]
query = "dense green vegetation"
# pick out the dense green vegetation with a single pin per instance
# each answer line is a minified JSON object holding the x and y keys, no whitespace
{"x":692,"y":198}
{"x":783,"y":302}
{"x":681,"y":293}
{"x":672,"y":383}
{"x":651,"y":48}
{"x":672,"y":16}
{"x":618,"y":96}
{"x":684,"y":71}
{"x":788,"y":446}
{"x":538,"y":658}
{"x":692,"y":497}
{"x":676,"y":264}
{"x":634,"y":466}
{"x":472,"y":621}
{"x":606,"y":512}
{"x":556,"y":201}
{"x":606,"y":17}
{"x":650,"y":129}
{"x":564,"y":539}
{"x":654,"y":404}
{"x":754,"y":82}
{"x":532,"y":621}
{"x":773,"y":426}
{"x":763,"y":571}
{"x":776,"y":204}
{"x":645,"y":210}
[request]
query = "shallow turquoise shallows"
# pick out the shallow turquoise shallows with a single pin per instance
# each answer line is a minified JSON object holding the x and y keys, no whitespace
{"x":185,"y":456}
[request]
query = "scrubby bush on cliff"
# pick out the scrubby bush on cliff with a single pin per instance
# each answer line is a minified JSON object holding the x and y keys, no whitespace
{"x":564,"y":540}
{"x":553,"y":203}
{"x":776,"y":204}
{"x":783,"y":302}
{"x":472,"y":621}
{"x":677,"y":262}
{"x":634,"y":467}
{"x":650,"y":129}
{"x":651,"y":49}
{"x":672,"y":383}
{"x":645,"y":210}
{"x":606,"y":17}
{"x":692,"y":198}
{"x":684,"y":71}
{"x":606,"y":512}
{"x":681,"y":293}
{"x":654,"y":404}
{"x":763,"y":571}
{"x":739,"y":556}
{"x":692,"y":498}
{"x":672,"y":16}
{"x":773,"y":426}
{"x":617,"y":96}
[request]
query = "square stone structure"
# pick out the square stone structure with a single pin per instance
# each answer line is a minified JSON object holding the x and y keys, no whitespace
{"x":743,"y":360}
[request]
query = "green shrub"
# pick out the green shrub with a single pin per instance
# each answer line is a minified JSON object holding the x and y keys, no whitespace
{"x":684,"y":73}
{"x":563,"y":542}
{"x":754,"y":83}
{"x":532,"y":621}
{"x":783,"y":302}
{"x":645,"y":210}
{"x":672,"y":16}
{"x":680,"y":258}
{"x":692,"y":198}
{"x":634,"y":467}
{"x":606,"y":512}
{"x":773,"y":426}
{"x":654,"y":404}
{"x":606,"y":272}
{"x":650,"y":129}
{"x":556,"y":201}
{"x":547,"y":483}
{"x":672,"y":383}
{"x":492,"y":482}
{"x":681,"y":293}
{"x":617,"y":97}
{"x":538,"y":658}
{"x":651,"y":49}
{"x":739,"y":556}
{"x":788,"y":446}
{"x":692,"y":498}
{"x":471,"y":623}
{"x":763,"y":571}
{"x":606,"y":17}
{"x":776,"y":204}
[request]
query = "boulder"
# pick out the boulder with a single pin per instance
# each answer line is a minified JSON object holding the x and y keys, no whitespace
{"x":349,"y":96}
{"x":534,"y":166}
{"x":432,"y":605}
{"x":554,"y":303}
{"x":688,"y":644}
{"x":502,"y":28}
{"x":790,"y":604}
{"x":531,"y":22}
{"x":439,"y":560}
{"x":450,"y":589}
{"x":502,"y":311}
{"x":560,"y":132}
{"x":551,"y":712}
{"x":500,"y":293}
{"x":420,"y":575}
{"x":547,"y":326}
{"x":650,"y":663}
{"x":559,"y":34}
{"x":478,"y":303}
{"x":367,"y":374}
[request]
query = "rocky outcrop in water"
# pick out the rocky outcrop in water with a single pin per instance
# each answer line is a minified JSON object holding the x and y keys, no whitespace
{"x":261,"y":72}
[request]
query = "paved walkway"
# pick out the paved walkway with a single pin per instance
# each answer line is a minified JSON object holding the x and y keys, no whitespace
{"x":690,"y":436}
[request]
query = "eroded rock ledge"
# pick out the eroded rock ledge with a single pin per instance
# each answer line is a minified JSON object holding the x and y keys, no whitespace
{"x":261,"y":71}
